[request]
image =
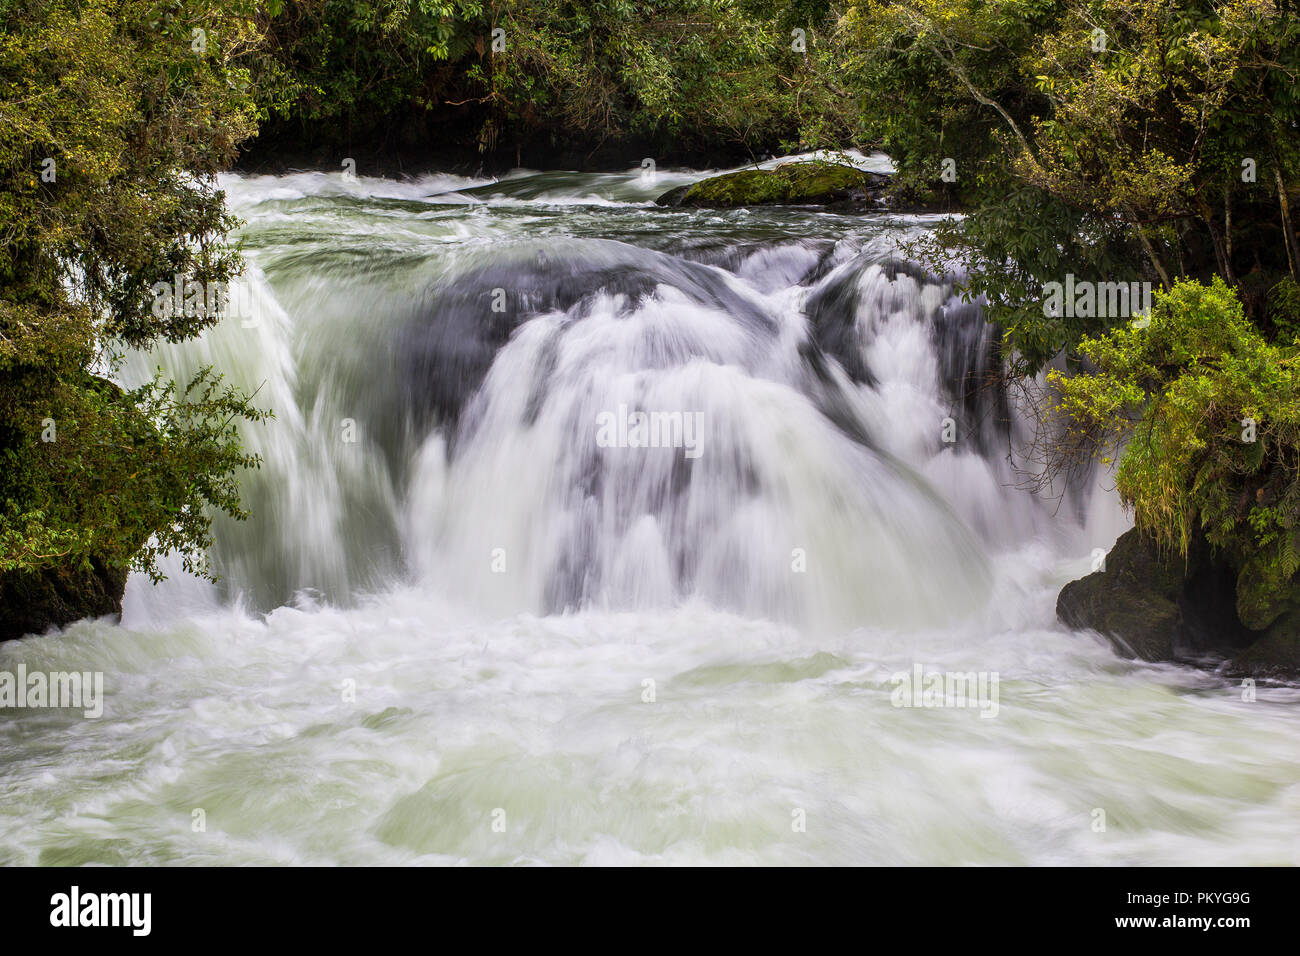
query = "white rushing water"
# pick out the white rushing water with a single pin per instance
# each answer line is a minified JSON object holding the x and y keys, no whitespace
{"x":469,"y":623}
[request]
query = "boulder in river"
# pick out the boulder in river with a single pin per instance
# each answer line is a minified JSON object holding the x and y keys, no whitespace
{"x":1159,"y":607}
{"x":811,"y":183}
{"x":33,"y":602}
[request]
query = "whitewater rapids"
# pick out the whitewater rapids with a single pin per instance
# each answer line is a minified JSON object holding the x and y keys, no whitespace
{"x":459,"y":628}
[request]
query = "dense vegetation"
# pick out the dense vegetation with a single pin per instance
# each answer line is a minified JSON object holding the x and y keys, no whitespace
{"x":1114,"y":142}
{"x":1211,"y":413}
{"x":1108,"y":141}
{"x":538,"y":81}
{"x":111,"y":126}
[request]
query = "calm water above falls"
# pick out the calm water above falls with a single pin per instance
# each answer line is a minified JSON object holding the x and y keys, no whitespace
{"x":463,"y":627}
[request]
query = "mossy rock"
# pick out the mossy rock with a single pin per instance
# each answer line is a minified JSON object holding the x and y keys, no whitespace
{"x":1132,"y":601}
{"x":1264,"y":593}
{"x":1159,"y":607}
{"x":791,"y":184}
{"x":1275,"y":655}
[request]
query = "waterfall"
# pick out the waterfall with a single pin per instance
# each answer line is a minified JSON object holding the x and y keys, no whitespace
{"x":439,"y":406}
{"x":590,"y":531}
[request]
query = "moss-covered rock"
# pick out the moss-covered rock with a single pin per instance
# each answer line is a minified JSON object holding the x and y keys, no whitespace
{"x":1276,"y":654}
{"x":1265,"y":593}
{"x":1132,"y":601}
{"x":1161,"y":608}
{"x":791,"y":184}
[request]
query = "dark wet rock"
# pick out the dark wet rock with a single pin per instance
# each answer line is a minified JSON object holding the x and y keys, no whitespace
{"x":443,"y":352}
{"x":832,"y":321}
{"x":1264,"y":595}
{"x":1276,"y":654}
{"x":1132,"y":601}
{"x":674,"y":196}
{"x":35,"y":602}
{"x":1159,"y":607}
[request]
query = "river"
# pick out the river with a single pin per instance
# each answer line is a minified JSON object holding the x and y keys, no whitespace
{"x":484,"y":612}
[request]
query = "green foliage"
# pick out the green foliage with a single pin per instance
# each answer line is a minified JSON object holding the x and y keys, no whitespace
{"x":1105,"y":139}
{"x":1013,"y":248}
{"x":91,"y":471}
{"x":1208,"y":416}
{"x":114,"y":118}
{"x":1119,"y":141}
{"x":1284,"y":308}
{"x":689,"y":72}
{"x":327,"y":62}
{"x":682,"y":74}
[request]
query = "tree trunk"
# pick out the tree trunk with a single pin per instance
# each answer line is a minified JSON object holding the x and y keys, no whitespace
{"x":1151,"y":254}
{"x":1288,"y":231}
{"x":1220,"y":256}
{"x":1227,"y":232}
